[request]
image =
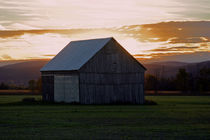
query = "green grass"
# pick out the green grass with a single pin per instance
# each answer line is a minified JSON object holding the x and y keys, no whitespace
{"x":175,"y":117}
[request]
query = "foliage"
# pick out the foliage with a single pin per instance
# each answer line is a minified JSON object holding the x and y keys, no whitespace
{"x":151,"y":82}
{"x":204,"y":80}
{"x":32,"y":85}
{"x":183,"y":81}
{"x":35,"y":85}
{"x":149,"y":102}
{"x":6,"y":86}
{"x":29,"y":99}
{"x":39,"y":84}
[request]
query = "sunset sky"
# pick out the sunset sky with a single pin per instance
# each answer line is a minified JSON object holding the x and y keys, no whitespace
{"x":153,"y":30}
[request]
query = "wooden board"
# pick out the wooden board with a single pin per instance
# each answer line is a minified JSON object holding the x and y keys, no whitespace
{"x":66,"y":88}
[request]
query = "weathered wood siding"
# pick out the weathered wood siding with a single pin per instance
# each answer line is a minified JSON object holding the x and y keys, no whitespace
{"x":60,"y":86}
{"x":112,"y":76}
{"x":47,"y":87}
{"x":66,"y":88}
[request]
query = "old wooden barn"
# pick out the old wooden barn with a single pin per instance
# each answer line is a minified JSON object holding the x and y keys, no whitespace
{"x":96,"y":71}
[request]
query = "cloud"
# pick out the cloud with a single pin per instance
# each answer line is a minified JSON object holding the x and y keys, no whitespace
{"x":193,"y":9}
{"x":187,"y":57}
{"x":32,"y":46}
{"x":2,"y":27}
{"x":189,"y":40}
{"x":183,"y":57}
{"x":174,"y":49}
{"x":49,"y":55}
{"x":19,"y":26}
{"x":6,"y":57}
{"x":173,"y":32}
{"x":17,"y":33}
{"x":56,"y":14}
{"x":145,"y":41}
{"x":192,"y":31}
{"x":93,"y":13}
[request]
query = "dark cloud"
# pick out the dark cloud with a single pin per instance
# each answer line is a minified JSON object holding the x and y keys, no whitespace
{"x":190,"y":40}
{"x":173,"y":32}
{"x":183,"y":57}
{"x":17,"y":33}
{"x":182,"y":48}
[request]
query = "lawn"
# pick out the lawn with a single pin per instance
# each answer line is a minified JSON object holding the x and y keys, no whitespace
{"x":175,"y":117}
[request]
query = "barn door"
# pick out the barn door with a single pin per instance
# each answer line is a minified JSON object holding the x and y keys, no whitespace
{"x":66,"y":89}
{"x":59,"y":88}
{"x":71,"y":89}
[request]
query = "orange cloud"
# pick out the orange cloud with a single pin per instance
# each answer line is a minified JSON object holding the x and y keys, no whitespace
{"x":145,"y":41}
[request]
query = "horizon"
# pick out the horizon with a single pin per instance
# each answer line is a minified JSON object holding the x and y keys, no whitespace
{"x":167,"y":30}
{"x":10,"y":62}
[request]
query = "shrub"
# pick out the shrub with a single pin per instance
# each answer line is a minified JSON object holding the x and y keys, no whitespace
{"x":28,"y":99}
{"x":149,"y":102}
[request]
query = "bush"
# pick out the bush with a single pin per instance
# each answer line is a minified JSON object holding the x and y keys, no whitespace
{"x":149,"y":102}
{"x":28,"y":99}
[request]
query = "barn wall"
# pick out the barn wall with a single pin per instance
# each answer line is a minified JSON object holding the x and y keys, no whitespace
{"x":112,"y":76}
{"x":48,"y":87}
{"x":111,"y":88}
{"x":66,"y":88}
{"x":60,"y":86}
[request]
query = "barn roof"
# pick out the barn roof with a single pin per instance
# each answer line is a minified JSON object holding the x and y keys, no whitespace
{"x":75,"y":54}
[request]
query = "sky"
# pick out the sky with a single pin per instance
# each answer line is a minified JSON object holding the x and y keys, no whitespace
{"x":151,"y":30}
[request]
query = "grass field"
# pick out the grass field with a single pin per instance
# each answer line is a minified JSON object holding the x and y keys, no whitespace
{"x":175,"y":117}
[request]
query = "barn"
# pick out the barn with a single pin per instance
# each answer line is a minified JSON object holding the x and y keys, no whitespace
{"x":95,"y":71}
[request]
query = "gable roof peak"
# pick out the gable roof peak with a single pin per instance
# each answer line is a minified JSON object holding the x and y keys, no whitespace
{"x":76,"y":54}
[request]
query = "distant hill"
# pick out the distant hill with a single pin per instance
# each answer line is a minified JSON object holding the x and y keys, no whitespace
{"x":170,"y":68}
{"x":22,"y":72}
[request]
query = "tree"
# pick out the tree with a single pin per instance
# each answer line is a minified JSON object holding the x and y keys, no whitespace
{"x":39,"y":84}
{"x":32,"y":85}
{"x":182,"y":80}
{"x":151,"y":82}
{"x":203,"y":82}
{"x":4,"y":86}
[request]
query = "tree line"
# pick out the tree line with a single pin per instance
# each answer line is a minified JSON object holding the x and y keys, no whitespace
{"x":32,"y":85}
{"x":182,"y":81}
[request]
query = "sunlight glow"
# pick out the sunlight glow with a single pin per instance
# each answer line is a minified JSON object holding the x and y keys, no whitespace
{"x":41,"y":28}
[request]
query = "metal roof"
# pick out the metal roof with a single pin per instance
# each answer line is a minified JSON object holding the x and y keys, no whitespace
{"x":75,"y":54}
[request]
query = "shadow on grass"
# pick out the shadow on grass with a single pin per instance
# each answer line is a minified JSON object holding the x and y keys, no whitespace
{"x":33,"y":101}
